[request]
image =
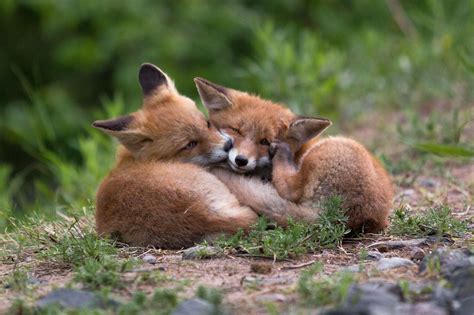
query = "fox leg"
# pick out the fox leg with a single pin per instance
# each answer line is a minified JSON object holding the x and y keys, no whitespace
{"x":285,"y":175}
{"x":264,"y":199}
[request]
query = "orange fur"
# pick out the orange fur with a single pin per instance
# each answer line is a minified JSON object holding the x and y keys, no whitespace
{"x":158,"y":193}
{"x":305,"y":169}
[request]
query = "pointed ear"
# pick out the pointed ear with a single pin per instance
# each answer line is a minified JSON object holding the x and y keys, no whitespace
{"x":152,"y":78}
{"x":213,"y":96}
{"x":304,"y":129}
{"x":120,"y":129}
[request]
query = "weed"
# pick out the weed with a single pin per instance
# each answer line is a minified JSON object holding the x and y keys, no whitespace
{"x":211,"y":295}
{"x":323,"y":290}
{"x":296,"y":239}
{"x":436,"y":221}
{"x":105,"y":272}
{"x":17,"y":280}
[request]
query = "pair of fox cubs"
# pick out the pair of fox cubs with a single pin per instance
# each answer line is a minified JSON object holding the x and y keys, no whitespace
{"x":170,"y":189}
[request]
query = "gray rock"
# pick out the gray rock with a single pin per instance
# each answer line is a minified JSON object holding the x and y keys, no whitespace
{"x":423,"y":308}
{"x":194,"y":306}
{"x":374,"y":255}
{"x":462,"y":281}
{"x":74,"y":299}
{"x":449,"y":260}
{"x":393,"y":262}
{"x":417,"y":254}
{"x":201,"y":252}
{"x":428,"y":183}
{"x":352,"y":268}
{"x":150,"y":259}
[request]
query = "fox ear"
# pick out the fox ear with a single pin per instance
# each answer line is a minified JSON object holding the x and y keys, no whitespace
{"x":213,"y":96}
{"x":152,"y":78}
{"x":120,"y":129}
{"x":303,"y":129}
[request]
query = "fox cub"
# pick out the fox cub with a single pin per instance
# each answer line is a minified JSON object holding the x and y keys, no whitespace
{"x":159,"y":193}
{"x":306,"y":169}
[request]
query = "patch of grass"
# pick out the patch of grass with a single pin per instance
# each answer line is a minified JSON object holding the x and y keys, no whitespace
{"x":213,"y":296}
{"x":317,"y":289}
{"x":95,"y":274}
{"x":436,"y":221}
{"x":17,"y":280}
{"x":297,"y":238}
{"x":163,"y":301}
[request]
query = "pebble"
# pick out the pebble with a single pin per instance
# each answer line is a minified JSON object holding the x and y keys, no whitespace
{"x":74,"y":299}
{"x":194,"y":306}
{"x":374,"y":255}
{"x":201,"y":252}
{"x":428,"y":183}
{"x":273,"y":297}
{"x":150,"y":259}
{"x":393,"y":262}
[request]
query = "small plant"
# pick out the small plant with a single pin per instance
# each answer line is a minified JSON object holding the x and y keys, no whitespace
{"x":324,"y":289}
{"x":105,"y":272}
{"x":213,"y":296}
{"x":17,"y":280}
{"x":163,"y":301}
{"x":436,"y":221}
{"x":298,"y":238}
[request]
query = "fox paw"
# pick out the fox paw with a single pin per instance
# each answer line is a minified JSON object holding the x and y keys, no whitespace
{"x":280,"y":148}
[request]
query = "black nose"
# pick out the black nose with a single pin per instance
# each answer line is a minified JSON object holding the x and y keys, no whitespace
{"x":228,"y":145}
{"x":241,"y":160}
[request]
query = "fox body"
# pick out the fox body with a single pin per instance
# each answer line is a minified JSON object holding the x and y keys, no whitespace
{"x":159,"y":193}
{"x":306,"y":169}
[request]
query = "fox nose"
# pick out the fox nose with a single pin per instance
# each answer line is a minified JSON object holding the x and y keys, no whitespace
{"x":241,"y":160}
{"x":228,"y":145}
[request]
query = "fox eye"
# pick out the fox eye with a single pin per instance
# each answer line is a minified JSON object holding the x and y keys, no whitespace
{"x":191,"y":145}
{"x":208,"y":124}
{"x":235,"y":130}
{"x":264,"y":142}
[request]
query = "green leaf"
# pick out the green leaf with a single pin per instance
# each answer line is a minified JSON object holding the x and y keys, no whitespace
{"x":445,"y":150}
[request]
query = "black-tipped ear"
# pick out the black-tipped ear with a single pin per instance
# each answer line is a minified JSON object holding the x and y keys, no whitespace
{"x":304,"y":129}
{"x":151,"y":78}
{"x":213,"y":96}
{"x":116,"y":124}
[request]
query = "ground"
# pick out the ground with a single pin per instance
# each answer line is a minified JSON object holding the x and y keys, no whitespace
{"x":255,"y":285}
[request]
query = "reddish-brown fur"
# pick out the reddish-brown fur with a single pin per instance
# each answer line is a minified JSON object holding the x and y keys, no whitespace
{"x":157,"y":194}
{"x":305,"y":169}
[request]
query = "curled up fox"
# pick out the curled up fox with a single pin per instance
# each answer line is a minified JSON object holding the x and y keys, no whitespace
{"x":306,"y":168}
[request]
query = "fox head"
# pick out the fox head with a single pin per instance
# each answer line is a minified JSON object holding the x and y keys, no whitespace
{"x":253,"y":123}
{"x":168,"y":127}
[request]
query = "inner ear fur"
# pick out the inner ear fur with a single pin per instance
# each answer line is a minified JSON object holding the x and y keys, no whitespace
{"x":303,"y":129}
{"x":213,"y":96}
{"x":152,"y":79}
{"x":121,"y":129}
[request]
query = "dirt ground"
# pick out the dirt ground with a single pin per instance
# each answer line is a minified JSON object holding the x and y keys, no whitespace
{"x":249,"y":292}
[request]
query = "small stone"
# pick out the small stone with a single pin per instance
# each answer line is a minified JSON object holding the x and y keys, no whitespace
{"x":374,"y":255}
{"x":74,"y":299}
{"x":408,"y":193}
{"x":393,"y":262}
{"x":201,"y":252}
{"x":262,"y":268}
{"x":450,"y":260}
{"x":353,"y":268}
{"x":428,"y":183}
{"x":417,"y":254}
{"x":150,"y":259}
{"x":194,"y":307}
{"x":273,"y":297}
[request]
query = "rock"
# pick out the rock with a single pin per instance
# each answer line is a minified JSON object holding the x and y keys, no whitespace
{"x":423,"y":308}
{"x":393,"y":262}
{"x":74,"y":299}
{"x":150,"y":259}
{"x":374,"y":255}
{"x":462,"y":281}
{"x":201,"y":252}
{"x":262,"y":268}
{"x":272,"y":297}
{"x":352,"y":268}
{"x":417,"y":254}
{"x":195,"y":306}
{"x":449,"y":260}
{"x":387,"y":245}
{"x":428,"y":183}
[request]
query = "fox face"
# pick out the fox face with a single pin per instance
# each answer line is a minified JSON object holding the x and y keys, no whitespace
{"x":168,"y":127}
{"x":253,"y":124}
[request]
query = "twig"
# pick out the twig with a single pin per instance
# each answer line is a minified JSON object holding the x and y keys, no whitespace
{"x":299,"y":265}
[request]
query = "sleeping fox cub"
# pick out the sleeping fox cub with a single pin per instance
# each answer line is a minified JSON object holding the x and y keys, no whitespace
{"x":305,"y":169}
{"x":158,"y":193}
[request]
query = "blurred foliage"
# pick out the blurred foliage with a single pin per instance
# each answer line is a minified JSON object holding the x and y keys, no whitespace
{"x":66,"y":63}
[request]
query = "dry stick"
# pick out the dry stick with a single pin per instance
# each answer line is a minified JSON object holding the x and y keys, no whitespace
{"x":299,"y":265}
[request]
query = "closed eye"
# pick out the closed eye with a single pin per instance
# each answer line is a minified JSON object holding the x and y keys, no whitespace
{"x":264,"y":142}
{"x":236,"y":130}
{"x":191,"y":145}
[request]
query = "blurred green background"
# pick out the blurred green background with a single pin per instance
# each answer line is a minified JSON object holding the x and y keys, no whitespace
{"x":66,"y":63}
